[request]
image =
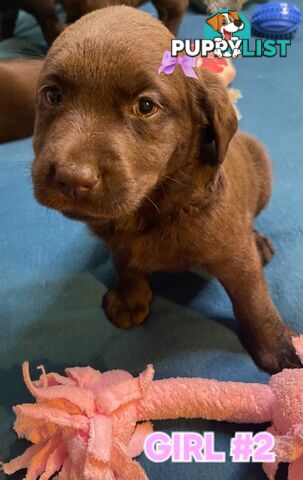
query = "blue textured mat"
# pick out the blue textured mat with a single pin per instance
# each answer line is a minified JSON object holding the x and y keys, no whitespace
{"x":53,"y":273}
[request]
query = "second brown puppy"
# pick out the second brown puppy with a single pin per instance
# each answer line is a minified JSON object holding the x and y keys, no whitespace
{"x":155,"y":166}
{"x":170,"y":12}
{"x":18,"y":84}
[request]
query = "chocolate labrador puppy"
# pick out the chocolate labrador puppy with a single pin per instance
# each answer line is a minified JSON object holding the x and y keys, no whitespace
{"x":18,"y":84}
{"x":170,"y":12}
{"x":155,"y":166}
{"x":42,"y":10}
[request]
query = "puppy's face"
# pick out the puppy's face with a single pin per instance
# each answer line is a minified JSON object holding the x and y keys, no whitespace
{"x":107,"y":124}
{"x":109,"y":129}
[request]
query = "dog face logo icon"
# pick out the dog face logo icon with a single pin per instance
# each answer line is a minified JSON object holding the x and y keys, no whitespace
{"x":226,"y":24}
{"x":227,"y":28}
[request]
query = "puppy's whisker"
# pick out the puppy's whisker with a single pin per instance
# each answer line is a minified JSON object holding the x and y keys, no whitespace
{"x":23,"y":163}
{"x":25,"y":170}
{"x":175,"y":180}
{"x":163,"y":189}
{"x":152,"y":202}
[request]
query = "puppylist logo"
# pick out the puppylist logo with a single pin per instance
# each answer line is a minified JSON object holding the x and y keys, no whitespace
{"x":227,"y":33}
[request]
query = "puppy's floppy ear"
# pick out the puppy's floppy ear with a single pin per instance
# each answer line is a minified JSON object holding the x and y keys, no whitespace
{"x":213,"y":22}
{"x":234,"y":14}
{"x":218,"y":118}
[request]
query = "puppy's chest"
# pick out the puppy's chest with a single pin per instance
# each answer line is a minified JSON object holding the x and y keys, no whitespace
{"x":162,"y":249}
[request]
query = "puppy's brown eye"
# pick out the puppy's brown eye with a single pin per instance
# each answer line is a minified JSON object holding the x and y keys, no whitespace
{"x":145,"y":107}
{"x":53,"y":95}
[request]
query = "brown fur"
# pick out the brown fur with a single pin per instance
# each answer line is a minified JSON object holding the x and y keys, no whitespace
{"x":176,"y":189}
{"x":42,"y":10}
{"x":170,"y":13}
{"x":18,"y":83}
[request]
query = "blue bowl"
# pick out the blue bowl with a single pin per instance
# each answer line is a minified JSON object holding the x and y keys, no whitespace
{"x":276,"y":20}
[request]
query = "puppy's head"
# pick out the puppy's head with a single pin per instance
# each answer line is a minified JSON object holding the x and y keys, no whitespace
{"x":109,"y":128}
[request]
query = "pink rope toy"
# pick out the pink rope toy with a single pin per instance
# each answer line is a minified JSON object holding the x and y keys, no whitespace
{"x":84,"y":425}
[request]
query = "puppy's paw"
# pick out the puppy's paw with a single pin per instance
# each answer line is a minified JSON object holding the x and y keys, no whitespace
{"x":276,"y":353}
{"x":265,"y":246}
{"x":123,"y":313}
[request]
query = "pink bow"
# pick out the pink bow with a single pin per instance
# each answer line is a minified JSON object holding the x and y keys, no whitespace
{"x":186,"y":63}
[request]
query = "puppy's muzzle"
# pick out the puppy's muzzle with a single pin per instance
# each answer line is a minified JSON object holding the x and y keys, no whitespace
{"x":76,"y":181}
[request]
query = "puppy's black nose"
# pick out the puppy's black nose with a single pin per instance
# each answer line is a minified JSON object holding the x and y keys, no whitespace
{"x":76,"y":181}
{"x":238,"y":23}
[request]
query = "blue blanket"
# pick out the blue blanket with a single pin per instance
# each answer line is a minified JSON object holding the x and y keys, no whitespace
{"x":53,"y":272}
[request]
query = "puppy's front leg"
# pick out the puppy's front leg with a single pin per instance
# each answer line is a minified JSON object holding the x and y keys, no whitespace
{"x":264,"y":334}
{"x":128,"y":304}
{"x":8,"y":23}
